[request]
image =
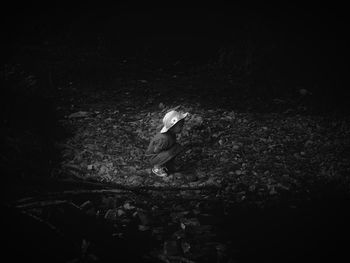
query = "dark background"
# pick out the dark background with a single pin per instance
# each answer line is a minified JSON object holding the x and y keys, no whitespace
{"x":306,"y":42}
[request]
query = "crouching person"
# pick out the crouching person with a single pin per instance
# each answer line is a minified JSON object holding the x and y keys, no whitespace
{"x":163,"y":148}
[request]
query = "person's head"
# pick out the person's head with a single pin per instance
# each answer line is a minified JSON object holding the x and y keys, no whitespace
{"x":177,"y":128}
{"x":173,"y":121}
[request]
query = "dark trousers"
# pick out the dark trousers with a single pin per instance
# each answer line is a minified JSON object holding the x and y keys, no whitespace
{"x":164,"y":157}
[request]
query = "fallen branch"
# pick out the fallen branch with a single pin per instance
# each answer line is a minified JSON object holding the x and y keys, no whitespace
{"x":170,"y":188}
{"x":181,"y":259}
{"x":41,"y":204}
{"x":43,"y":200}
{"x":112,"y":185}
{"x":47,"y":224}
{"x":177,"y":258}
{"x":23,"y":203}
{"x":103,"y":188}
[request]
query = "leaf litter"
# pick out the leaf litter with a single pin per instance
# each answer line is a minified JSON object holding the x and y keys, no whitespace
{"x":247,"y":158}
{"x":232,"y":159}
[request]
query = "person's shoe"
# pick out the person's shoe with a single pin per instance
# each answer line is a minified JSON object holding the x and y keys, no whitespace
{"x":160,"y":171}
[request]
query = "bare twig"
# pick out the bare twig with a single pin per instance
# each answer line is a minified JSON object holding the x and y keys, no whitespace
{"x":168,"y":259}
{"x":49,"y":225}
{"x":114,"y":186}
{"x":163,"y":258}
{"x":44,"y":200}
{"x":42,"y":204}
{"x":28,"y":202}
{"x":181,"y":259}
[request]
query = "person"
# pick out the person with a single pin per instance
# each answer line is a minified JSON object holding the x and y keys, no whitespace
{"x":163,"y":147}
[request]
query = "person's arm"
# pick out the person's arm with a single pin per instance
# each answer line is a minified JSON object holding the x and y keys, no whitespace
{"x":160,"y":145}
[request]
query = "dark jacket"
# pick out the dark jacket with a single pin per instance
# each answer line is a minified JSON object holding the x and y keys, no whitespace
{"x":161,"y":142}
{"x":163,"y":148}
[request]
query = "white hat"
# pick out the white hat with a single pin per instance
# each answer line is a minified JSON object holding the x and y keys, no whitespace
{"x":171,"y":118}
